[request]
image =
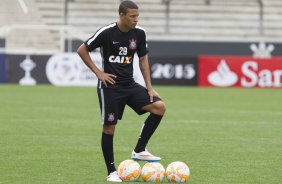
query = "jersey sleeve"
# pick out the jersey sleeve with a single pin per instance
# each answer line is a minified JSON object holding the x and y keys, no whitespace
{"x":142,"y":49}
{"x":95,"y":41}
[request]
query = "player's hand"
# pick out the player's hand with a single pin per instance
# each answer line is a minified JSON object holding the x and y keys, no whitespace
{"x":152,"y":93}
{"x":106,"y":78}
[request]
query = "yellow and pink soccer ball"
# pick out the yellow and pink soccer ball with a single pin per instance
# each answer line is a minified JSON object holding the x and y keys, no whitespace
{"x":153,"y":172}
{"x":129,"y":170}
{"x":177,"y":172}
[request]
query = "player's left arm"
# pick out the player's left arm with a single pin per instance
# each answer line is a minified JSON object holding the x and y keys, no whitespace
{"x":145,"y":70}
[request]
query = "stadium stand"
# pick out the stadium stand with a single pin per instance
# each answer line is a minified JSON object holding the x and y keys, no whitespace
{"x":223,"y":20}
{"x":24,"y":31}
{"x":179,"y":20}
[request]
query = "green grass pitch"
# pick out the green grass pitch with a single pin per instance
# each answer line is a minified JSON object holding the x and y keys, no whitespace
{"x":226,"y":136}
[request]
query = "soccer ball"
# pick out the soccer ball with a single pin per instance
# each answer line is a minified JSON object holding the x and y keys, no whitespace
{"x":177,"y":172}
{"x":153,"y":172}
{"x":129,"y":170}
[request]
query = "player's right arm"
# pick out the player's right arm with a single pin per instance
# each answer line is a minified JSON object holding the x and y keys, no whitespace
{"x":104,"y":77}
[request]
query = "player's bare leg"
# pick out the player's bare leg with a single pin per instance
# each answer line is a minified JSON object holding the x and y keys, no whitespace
{"x":157,"y":110}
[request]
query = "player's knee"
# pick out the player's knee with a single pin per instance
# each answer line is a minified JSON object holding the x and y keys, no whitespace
{"x":160,"y":108}
{"x":109,"y":129}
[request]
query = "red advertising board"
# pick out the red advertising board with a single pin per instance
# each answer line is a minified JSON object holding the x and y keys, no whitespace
{"x":229,"y":71}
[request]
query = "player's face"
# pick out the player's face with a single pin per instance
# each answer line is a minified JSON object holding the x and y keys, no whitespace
{"x":130,"y":19}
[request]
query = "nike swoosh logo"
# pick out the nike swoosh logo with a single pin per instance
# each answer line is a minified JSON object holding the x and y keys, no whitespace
{"x":115,"y":42}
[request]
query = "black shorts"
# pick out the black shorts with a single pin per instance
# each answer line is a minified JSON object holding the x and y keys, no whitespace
{"x":113,"y":101}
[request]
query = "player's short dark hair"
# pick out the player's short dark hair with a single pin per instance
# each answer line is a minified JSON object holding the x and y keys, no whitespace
{"x":125,"y":5}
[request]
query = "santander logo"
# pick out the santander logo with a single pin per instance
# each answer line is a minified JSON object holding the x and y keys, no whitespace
{"x":245,"y":72}
{"x":223,"y":76}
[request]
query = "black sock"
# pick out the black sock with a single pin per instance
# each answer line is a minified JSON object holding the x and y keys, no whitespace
{"x":149,"y":127}
{"x":108,"y":151}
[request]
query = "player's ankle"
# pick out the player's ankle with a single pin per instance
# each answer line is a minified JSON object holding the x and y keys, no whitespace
{"x":138,"y":150}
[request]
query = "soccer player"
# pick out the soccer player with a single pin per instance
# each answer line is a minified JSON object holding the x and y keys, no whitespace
{"x":118,"y":42}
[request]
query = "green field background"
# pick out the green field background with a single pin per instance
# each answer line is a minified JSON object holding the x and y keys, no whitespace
{"x":51,"y":135}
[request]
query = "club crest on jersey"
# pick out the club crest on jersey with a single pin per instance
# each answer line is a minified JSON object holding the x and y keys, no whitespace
{"x":132,"y":44}
{"x":111,"y":117}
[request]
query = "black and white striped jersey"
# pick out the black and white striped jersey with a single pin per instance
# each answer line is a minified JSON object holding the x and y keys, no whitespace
{"x":118,"y":49}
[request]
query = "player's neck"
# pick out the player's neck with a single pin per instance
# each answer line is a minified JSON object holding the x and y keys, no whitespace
{"x":122,"y":27}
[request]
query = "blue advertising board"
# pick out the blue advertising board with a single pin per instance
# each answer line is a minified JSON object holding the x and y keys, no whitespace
{"x":3,"y":68}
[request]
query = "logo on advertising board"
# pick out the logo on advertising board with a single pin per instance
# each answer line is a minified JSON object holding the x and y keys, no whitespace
{"x":223,"y":76}
{"x":27,"y":65}
{"x":67,"y":69}
{"x":174,"y":70}
{"x":26,"y":69}
{"x":262,"y":50}
{"x":221,"y":71}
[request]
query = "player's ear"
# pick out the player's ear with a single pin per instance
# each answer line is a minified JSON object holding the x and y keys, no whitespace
{"x":121,"y":15}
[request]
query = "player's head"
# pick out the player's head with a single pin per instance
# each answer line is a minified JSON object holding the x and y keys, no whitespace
{"x":128,"y":13}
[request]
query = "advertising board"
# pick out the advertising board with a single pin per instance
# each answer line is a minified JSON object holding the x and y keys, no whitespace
{"x":3,"y":68}
{"x":64,"y":69}
{"x":247,"y":72}
{"x":174,"y":70}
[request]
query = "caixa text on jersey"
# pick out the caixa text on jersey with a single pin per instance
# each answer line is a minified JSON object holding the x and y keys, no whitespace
{"x":121,"y":59}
